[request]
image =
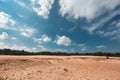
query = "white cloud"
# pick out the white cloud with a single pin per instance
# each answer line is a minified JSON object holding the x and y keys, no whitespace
{"x":34,"y":48}
{"x":88,"y":9}
{"x":63,"y":40}
{"x":42,"y":7}
{"x":100,"y":47}
{"x":118,"y":24}
{"x":20,"y":15}
{"x":112,"y":32}
{"x":60,"y":50}
{"x":15,"y":47}
{"x":100,"y":32}
{"x":14,"y":38}
{"x":113,"y":35}
{"x":3,"y":36}
{"x":1,"y":44}
{"x":81,"y":45}
{"x":6,"y":21}
{"x":42,"y":48}
{"x":23,"y":4}
{"x":44,"y":38}
{"x":84,"y":49}
{"x":26,"y":31}
{"x":20,"y":3}
{"x":72,"y":29}
{"x":100,"y":23}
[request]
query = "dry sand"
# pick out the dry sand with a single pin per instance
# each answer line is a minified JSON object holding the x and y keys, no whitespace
{"x":59,"y":68}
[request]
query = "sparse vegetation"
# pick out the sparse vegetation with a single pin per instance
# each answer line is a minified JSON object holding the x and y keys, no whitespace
{"x":22,"y":52}
{"x":65,"y":69}
{"x":107,"y":57}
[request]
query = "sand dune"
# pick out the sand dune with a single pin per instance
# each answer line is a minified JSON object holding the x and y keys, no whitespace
{"x":59,"y":68}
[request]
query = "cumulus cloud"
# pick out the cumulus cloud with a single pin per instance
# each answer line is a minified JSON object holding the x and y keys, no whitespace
{"x":63,"y":40}
{"x":91,"y":10}
{"x":6,"y":21}
{"x":3,"y":36}
{"x":26,"y":31}
{"x":42,"y":7}
{"x":44,"y":38}
{"x":88,"y":9}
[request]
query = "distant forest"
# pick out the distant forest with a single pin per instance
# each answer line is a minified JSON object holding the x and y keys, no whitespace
{"x":22,"y":52}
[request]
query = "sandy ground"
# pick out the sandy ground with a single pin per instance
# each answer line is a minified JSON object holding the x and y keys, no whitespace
{"x":59,"y":68}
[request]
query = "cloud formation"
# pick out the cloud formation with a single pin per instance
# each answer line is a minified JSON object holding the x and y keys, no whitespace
{"x":83,"y":47}
{"x":42,"y":7}
{"x":15,"y":47}
{"x":42,"y":48}
{"x":20,"y":3}
{"x":97,"y":17}
{"x":63,"y":40}
{"x":112,"y":32}
{"x":3,"y":36}
{"x":44,"y":38}
{"x":5,"y":20}
{"x":60,"y":50}
{"x":27,"y":31}
{"x":100,"y":47}
{"x":99,"y":24}
{"x":88,"y":9}
{"x":14,"y":38}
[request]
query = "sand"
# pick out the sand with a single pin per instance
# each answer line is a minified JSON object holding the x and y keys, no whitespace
{"x":59,"y":68}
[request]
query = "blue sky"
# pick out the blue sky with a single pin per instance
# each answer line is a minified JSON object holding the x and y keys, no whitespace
{"x":60,"y":25}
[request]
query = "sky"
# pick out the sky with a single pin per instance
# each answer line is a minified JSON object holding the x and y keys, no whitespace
{"x":60,"y":25}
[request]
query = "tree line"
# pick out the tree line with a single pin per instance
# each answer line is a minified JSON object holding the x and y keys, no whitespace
{"x":22,"y":52}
